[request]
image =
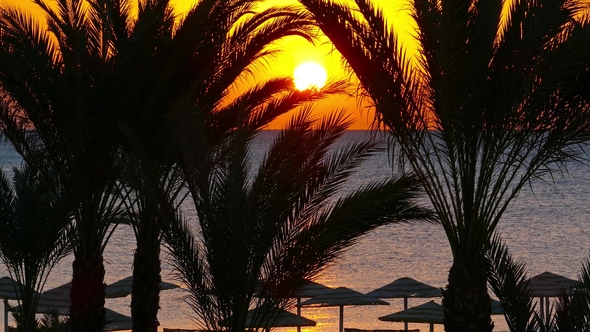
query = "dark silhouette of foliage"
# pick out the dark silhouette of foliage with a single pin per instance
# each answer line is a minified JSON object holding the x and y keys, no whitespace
{"x":490,"y":103}
{"x":259,"y":236}
{"x":35,"y":222}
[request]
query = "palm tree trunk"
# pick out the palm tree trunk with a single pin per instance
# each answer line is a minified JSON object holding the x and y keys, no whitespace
{"x":145,"y":297}
{"x":87,"y":313}
{"x":26,"y":321}
{"x":466,"y":301}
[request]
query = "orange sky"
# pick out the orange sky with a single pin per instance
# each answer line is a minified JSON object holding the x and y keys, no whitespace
{"x":295,"y":50}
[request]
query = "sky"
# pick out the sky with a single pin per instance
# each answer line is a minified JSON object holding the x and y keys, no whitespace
{"x":295,"y":50}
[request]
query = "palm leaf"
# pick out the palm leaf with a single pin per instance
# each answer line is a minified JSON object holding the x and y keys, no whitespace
{"x":509,"y":282}
{"x":572,"y":311}
{"x":259,"y":232}
{"x":485,"y":112}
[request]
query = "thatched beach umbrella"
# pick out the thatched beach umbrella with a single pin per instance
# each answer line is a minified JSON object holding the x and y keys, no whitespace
{"x":405,"y":288}
{"x":267,"y":317}
{"x":546,"y":285}
{"x":305,"y":289}
{"x":429,"y":312}
{"x":116,"y":321}
{"x":549,"y":284}
{"x":340,"y":297}
{"x":58,"y":298}
{"x":8,"y":291}
{"x":310,"y":289}
{"x":123,"y":287}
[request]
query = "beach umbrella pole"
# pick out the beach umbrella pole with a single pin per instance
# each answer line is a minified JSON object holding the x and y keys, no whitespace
{"x":298,"y":312}
{"x":542,"y":310}
{"x":405,"y":307}
{"x":5,"y":315}
{"x":341,"y":318}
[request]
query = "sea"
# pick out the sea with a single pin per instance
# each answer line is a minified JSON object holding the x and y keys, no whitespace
{"x":547,"y":227}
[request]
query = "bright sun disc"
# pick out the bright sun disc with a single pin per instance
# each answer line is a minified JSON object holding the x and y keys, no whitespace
{"x":309,"y":75}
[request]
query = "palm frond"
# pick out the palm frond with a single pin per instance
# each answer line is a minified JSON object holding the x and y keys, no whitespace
{"x":485,"y":112}
{"x":187,"y":258}
{"x":509,"y":282}
{"x":572,"y":311}
{"x":34,"y":214}
{"x":261,"y":231}
{"x":321,"y":238}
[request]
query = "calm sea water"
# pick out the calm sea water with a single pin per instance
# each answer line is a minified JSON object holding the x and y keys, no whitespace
{"x":547,"y":228}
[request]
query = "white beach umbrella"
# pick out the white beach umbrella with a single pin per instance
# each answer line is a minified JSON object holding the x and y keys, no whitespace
{"x":340,"y":297}
{"x":405,"y":288}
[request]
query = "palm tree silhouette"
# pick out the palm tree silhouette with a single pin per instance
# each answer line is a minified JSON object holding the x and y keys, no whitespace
{"x":59,"y":81}
{"x":490,"y":103}
{"x":185,"y":75}
{"x":258,"y":236}
{"x":109,"y":94}
{"x":36,"y":223}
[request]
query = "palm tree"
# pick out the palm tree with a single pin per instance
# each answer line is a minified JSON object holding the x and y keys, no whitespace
{"x":259,"y":235}
{"x":35,"y":223}
{"x":573,"y":310}
{"x":123,"y":75}
{"x":60,"y":82}
{"x":188,"y":71}
{"x":494,"y":102}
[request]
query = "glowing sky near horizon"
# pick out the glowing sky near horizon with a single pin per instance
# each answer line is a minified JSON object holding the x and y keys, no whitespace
{"x":295,"y":51}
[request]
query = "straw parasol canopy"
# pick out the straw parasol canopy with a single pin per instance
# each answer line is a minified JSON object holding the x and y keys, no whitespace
{"x":546,"y":285}
{"x":266,"y":317}
{"x":429,"y":312}
{"x":58,"y":298}
{"x":123,"y":287}
{"x":309,"y":289}
{"x":405,"y":288}
{"x":340,"y":297}
{"x":9,"y":289}
{"x":312,"y":289}
{"x":116,"y":321}
{"x":549,"y":284}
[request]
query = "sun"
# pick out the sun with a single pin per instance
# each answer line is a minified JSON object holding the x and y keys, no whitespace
{"x":309,"y":75}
